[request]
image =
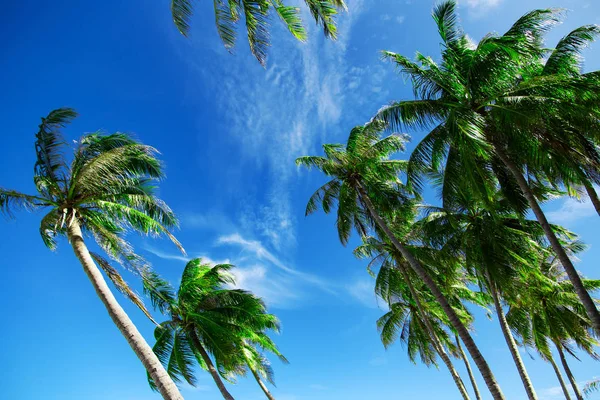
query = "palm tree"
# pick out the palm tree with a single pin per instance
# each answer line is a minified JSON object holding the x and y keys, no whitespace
{"x":491,"y":111}
{"x":256,"y":15}
{"x":365,"y":185}
{"x":207,"y":318}
{"x":544,"y":310}
{"x":495,"y":244}
{"x":104,"y":191}
{"x":409,"y":318}
{"x":463,"y":356}
{"x":260,"y":366}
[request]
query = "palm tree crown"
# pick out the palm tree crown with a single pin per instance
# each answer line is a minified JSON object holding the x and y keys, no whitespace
{"x":107,"y":188}
{"x":207,"y":317}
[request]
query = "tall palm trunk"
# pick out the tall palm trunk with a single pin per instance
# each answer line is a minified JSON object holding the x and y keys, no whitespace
{"x":589,"y":188}
{"x":455,"y":321}
{"x":439,"y":347}
{"x":468,"y":367}
{"x":563,"y":385}
{"x":583,"y":294}
{"x":568,"y":371}
{"x":211,"y":367}
{"x":510,"y":341}
{"x":261,"y":384}
{"x":164,"y":383}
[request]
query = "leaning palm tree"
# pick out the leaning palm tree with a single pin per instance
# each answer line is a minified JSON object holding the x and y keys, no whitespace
{"x":545,"y":310}
{"x":490,"y":110}
{"x":495,"y":244}
{"x":104,"y":191}
{"x":365,"y":186}
{"x":256,"y":15}
{"x":413,"y":316}
{"x":206,"y":318}
{"x":259,"y":365}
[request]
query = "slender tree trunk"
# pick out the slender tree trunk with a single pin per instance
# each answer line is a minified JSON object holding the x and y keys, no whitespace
{"x":211,"y":367}
{"x":439,"y":347}
{"x":568,"y":371}
{"x":563,"y":385}
{"x":163,"y":381}
{"x":589,"y":188}
{"x":457,"y":324}
{"x":261,"y":384}
{"x":512,"y":345}
{"x":583,"y":294}
{"x":468,"y":367}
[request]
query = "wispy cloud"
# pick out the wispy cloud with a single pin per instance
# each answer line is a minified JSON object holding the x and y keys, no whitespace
{"x":571,"y":211}
{"x":166,"y":256}
{"x":363,"y":291}
{"x":262,"y":254}
{"x":317,"y":386}
{"x":284,"y":113}
{"x":478,"y":8}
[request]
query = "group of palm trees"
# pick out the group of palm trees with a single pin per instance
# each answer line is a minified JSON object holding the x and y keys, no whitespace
{"x":510,"y":124}
{"x":105,"y":189}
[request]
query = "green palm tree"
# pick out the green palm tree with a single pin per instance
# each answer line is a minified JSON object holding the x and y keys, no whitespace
{"x":104,"y":191}
{"x":491,"y":110}
{"x":256,"y":15}
{"x":259,"y":365}
{"x":544,"y":310}
{"x":207,"y":318}
{"x":495,"y":245}
{"x":410,"y":317}
{"x":365,"y":186}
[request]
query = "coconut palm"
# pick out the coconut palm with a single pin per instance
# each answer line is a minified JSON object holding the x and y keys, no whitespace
{"x":490,"y":110}
{"x":545,"y":311}
{"x":259,"y":365}
{"x":495,"y":244}
{"x":206,"y":318}
{"x":463,"y":356}
{"x":105,"y":190}
{"x":410,"y":317}
{"x":365,"y":186}
{"x":256,"y":15}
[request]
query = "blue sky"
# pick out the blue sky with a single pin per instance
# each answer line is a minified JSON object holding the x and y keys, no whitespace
{"x":228,"y":131}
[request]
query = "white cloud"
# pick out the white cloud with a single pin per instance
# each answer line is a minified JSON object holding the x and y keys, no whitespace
{"x":363,"y":291}
{"x":262,"y":254}
{"x":400,"y":19}
{"x":279,"y":114}
{"x":385,"y":17}
{"x":571,"y":211}
{"x":478,"y":8}
{"x":166,"y":256}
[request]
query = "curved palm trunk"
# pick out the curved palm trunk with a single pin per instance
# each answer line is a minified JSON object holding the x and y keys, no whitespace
{"x":436,"y":342}
{"x":589,"y":188}
{"x":164,"y":383}
{"x":560,"y":379}
{"x":211,"y":367}
{"x":455,"y":321}
{"x":468,"y":367}
{"x":261,"y":384}
{"x":568,"y":371}
{"x":583,"y":294}
{"x":512,"y":345}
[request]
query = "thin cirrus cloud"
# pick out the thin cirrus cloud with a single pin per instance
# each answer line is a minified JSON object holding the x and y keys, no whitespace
{"x":262,"y":272}
{"x":304,"y":94}
{"x":478,"y":8}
